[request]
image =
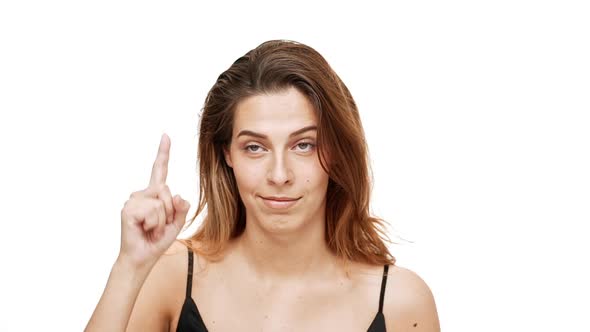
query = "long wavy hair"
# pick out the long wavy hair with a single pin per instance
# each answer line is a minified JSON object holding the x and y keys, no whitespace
{"x":351,"y":233}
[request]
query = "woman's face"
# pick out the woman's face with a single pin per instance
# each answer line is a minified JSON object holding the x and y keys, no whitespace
{"x":275,"y":161}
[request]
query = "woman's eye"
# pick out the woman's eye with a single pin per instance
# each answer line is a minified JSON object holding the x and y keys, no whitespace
{"x":252,"y":148}
{"x":305,"y":146}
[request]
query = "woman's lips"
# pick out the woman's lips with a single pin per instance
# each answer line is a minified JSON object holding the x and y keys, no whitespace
{"x":279,"y":203}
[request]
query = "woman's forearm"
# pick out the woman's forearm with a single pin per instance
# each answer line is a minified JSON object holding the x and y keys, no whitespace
{"x":116,"y":303}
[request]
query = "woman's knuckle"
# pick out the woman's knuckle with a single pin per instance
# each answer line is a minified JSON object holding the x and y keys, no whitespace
{"x":160,"y":204}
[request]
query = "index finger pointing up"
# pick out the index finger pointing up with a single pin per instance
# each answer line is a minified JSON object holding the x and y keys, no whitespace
{"x":160,"y":168}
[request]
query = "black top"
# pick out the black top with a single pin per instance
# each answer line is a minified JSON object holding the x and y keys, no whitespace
{"x":190,"y":319}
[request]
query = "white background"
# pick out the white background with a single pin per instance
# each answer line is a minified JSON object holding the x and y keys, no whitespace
{"x":476,"y":113}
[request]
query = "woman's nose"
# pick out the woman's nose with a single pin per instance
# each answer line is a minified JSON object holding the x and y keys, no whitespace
{"x":279,"y":172}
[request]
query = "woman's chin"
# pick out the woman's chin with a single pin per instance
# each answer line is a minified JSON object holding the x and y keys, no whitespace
{"x":278,"y":224}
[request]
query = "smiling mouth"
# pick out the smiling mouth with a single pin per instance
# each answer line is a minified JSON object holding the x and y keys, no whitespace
{"x":280,"y":199}
{"x":279,"y":203}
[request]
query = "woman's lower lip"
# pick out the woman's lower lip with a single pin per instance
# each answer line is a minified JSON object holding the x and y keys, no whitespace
{"x":279,"y":204}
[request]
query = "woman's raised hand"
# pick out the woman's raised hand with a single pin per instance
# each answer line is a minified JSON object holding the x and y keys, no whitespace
{"x":152,"y":219}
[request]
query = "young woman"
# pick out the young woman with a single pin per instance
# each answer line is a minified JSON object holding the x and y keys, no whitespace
{"x":287,"y":242}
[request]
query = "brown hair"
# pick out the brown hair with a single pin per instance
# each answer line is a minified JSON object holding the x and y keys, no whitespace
{"x":351,"y":232}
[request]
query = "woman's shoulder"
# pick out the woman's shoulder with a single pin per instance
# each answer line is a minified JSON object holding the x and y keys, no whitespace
{"x":408,"y":302}
{"x":168,"y":277}
{"x":173,"y":264}
{"x":171,"y":267}
{"x":178,"y":248}
{"x":173,"y":260}
{"x":163,"y":291}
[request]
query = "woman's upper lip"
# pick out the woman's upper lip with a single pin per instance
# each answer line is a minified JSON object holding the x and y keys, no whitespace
{"x":281,"y":198}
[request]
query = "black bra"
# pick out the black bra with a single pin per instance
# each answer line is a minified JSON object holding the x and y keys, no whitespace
{"x":190,"y":319}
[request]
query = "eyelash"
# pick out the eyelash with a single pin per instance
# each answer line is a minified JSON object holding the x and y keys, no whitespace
{"x":247,"y":147}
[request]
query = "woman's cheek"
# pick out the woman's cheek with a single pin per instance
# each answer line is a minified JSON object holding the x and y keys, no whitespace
{"x":249,"y":174}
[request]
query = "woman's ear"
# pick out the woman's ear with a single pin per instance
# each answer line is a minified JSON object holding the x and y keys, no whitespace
{"x":227,"y":156}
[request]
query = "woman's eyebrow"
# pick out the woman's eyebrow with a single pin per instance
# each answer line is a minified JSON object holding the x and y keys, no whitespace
{"x":262,"y":136}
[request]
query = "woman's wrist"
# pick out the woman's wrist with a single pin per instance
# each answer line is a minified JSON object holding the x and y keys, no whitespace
{"x":126,"y":269}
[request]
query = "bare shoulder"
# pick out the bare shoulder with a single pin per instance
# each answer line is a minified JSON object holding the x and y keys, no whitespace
{"x":409,"y":304}
{"x":177,"y":248}
{"x":162,"y":292}
{"x":171,"y":265}
{"x":170,"y":272}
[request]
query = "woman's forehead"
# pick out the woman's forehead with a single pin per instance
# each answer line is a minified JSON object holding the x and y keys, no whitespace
{"x":286,"y":111}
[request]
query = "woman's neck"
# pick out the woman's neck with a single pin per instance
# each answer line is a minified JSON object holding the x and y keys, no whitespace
{"x":284,"y":256}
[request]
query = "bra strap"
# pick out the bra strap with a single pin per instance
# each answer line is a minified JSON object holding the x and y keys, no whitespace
{"x":383,"y":284}
{"x":189,"y":278}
